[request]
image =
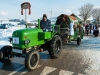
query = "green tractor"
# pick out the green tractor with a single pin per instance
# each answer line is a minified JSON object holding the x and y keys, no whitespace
{"x":26,"y":43}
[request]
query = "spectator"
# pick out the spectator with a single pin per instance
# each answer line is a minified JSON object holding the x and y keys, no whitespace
{"x":90,"y":27}
{"x":87,"y":29}
{"x":95,"y":27}
{"x":84,"y":27}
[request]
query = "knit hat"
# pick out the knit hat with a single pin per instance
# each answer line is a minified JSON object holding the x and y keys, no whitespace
{"x":44,"y":15}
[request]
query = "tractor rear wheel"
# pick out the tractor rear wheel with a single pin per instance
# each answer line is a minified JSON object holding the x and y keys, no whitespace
{"x":6,"y":54}
{"x":55,"y":47}
{"x":32,"y":60}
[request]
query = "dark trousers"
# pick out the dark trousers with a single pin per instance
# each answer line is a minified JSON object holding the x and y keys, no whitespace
{"x":90,"y":30}
{"x":87,"y":31}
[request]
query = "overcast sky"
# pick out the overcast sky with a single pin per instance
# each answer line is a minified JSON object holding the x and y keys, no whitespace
{"x":12,"y":8}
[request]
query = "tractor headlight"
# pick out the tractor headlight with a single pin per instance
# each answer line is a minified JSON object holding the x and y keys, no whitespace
{"x":27,"y":41}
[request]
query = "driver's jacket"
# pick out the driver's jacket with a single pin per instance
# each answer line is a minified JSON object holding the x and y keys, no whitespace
{"x":45,"y":24}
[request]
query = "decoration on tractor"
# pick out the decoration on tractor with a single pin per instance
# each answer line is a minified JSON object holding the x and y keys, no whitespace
{"x":26,"y":5}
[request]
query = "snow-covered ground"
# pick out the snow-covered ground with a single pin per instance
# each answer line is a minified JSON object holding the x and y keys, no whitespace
{"x":6,"y":33}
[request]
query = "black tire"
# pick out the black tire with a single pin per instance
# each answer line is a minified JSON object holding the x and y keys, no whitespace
{"x":6,"y":54}
{"x":55,"y":47}
{"x":29,"y":63}
{"x":78,"y":41}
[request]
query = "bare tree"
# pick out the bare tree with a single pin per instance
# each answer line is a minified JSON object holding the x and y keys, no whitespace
{"x":86,"y":11}
{"x":96,"y":14}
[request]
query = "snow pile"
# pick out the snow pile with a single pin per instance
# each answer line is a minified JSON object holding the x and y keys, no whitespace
{"x":6,"y":33}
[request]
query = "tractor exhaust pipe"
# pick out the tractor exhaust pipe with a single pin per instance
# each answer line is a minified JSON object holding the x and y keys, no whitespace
{"x":38,"y":23}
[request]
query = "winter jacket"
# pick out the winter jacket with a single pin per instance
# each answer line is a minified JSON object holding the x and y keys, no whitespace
{"x":45,"y":24}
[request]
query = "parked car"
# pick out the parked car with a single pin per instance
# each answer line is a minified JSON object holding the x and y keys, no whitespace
{"x":6,"y":25}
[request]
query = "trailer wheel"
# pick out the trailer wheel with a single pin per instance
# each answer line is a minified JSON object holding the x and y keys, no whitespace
{"x":55,"y":47}
{"x":78,"y":41}
{"x":32,"y":60}
{"x":6,"y":54}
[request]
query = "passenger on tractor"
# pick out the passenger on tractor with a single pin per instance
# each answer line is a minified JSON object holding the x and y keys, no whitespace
{"x":71,"y":29}
{"x":45,"y":23}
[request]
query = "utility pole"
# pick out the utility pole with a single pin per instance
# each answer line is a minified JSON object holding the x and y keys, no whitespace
{"x":50,"y":14}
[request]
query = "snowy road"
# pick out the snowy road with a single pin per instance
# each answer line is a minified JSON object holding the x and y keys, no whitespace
{"x":74,"y":60}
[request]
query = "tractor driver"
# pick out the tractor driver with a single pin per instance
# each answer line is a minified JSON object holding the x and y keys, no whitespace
{"x":45,"y":23}
{"x":45,"y":26}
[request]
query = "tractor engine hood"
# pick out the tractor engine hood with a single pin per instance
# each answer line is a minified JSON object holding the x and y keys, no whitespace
{"x":25,"y":38}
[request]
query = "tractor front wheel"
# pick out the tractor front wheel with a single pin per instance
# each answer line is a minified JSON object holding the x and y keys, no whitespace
{"x":32,"y":60}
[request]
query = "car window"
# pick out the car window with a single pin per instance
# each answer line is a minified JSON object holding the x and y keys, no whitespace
{"x":4,"y":24}
{"x":12,"y":25}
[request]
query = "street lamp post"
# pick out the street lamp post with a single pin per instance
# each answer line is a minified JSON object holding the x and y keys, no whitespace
{"x":25,"y":5}
{"x":50,"y":14}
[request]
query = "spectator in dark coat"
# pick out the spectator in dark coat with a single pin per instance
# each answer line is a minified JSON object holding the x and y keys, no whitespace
{"x":90,"y":27}
{"x":87,"y":29}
